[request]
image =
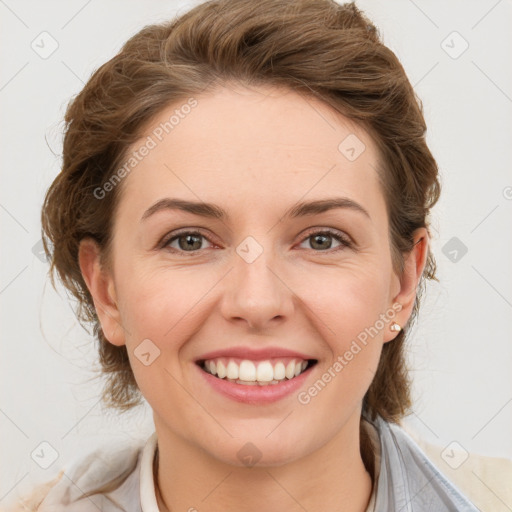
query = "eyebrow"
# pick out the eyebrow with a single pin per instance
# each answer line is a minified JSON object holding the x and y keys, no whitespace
{"x":216,"y":212}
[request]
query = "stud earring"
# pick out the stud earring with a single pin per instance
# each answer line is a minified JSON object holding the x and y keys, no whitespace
{"x":395,"y":327}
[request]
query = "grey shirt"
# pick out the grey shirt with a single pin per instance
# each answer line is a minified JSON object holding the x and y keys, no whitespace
{"x":115,"y":480}
{"x":407,"y":480}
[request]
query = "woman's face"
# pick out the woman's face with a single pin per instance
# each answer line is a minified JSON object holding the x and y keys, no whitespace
{"x":272,"y":281}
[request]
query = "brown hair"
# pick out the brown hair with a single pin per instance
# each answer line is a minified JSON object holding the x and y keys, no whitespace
{"x":315,"y":47}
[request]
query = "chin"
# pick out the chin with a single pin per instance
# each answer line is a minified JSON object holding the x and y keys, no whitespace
{"x":260,"y":452}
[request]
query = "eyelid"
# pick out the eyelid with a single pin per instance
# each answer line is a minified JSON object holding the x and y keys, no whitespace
{"x":183,"y":231}
{"x":345,"y":239}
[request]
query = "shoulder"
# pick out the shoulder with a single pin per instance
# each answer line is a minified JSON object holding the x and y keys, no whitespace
{"x":105,"y":479}
{"x":484,"y":479}
{"x":31,"y":502}
{"x":408,"y":478}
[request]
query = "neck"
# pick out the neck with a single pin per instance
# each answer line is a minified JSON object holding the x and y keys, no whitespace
{"x":333,"y":477}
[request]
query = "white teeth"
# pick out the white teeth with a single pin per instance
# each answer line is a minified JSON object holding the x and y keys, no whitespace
{"x":232,"y":370}
{"x":290,"y":370}
{"x":253,"y":372}
{"x":265,"y":372}
{"x":279,"y":371}
{"x":221,"y":370}
{"x":247,"y":371}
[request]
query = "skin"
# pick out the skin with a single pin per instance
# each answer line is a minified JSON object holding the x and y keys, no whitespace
{"x":298,"y":294}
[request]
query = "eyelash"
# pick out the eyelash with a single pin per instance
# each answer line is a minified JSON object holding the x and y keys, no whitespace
{"x":344,"y":240}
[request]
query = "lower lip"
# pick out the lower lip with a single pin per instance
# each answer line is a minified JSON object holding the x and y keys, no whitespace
{"x":255,"y":394}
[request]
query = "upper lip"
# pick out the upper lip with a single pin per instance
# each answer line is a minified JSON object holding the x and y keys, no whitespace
{"x":253,"y":354}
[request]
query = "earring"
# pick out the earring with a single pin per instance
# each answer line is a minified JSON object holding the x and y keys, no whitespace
{"x":395,"y":327}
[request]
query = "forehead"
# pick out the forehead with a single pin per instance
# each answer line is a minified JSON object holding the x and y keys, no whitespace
{"x":240,"y":145}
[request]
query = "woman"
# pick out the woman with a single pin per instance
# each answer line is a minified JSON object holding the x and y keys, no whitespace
{"x":242,"y":214}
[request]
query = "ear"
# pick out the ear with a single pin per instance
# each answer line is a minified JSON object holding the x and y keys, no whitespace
{"x":101,"y":287}
{"x":414,"y":263}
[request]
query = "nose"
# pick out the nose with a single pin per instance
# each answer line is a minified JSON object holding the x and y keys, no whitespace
{"x":256,"y":294}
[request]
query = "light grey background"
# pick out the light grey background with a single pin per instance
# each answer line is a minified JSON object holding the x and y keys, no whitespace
{"x":461,"y":351}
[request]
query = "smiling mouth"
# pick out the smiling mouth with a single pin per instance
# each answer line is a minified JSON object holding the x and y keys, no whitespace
{"x":256,"y":373}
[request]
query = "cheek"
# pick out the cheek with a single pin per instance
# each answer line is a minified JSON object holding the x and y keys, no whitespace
{"x":157,"y":303}
{"x":352,"y":312}
{"x":159,"y":312}
{"x":353,"y":308}
{"x":349,"y":299}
